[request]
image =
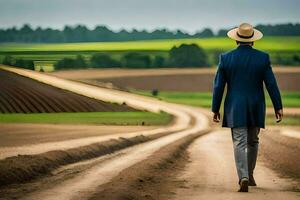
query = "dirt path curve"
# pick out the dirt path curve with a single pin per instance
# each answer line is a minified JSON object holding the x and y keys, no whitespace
{"x":211,"y":174}
{"x":85,"y":185}
{"x":187,"y":121}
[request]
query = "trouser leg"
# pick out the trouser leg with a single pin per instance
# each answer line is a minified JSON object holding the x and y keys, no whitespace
{"x":239,"y":138}
{"x":253,"y":142}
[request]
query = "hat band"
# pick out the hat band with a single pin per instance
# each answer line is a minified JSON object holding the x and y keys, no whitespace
{"x":245,"y":37}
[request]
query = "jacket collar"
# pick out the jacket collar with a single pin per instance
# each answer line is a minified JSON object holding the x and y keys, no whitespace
{"x":244,"y":47}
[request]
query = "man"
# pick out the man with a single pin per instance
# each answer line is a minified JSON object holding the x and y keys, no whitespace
{"x":244,"y":70}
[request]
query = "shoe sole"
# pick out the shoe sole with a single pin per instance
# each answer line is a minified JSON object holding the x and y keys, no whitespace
{"x":244,"y":186}
{"x":251,"y":184}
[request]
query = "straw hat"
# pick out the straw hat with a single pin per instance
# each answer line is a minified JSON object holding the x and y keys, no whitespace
{"x":245,"y":33}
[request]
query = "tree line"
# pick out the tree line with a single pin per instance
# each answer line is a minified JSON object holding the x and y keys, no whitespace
{"x":81,"y":33}
{"x":186,"y":55}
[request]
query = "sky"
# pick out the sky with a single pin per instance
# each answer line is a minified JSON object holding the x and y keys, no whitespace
{"x":187,"y":15}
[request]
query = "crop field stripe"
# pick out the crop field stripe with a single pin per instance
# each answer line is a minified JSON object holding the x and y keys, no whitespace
{"x":44,"y":98}
{"x":15,"y":102}
{"x":42,"y":106}
{"x":29,"y":103}
{"x":5,"y":106}
{"x":20,"y":99}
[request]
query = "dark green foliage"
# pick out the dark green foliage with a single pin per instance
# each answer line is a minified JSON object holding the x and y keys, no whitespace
{"x":215,"y":56}
{"x":27,"y":64}
{"x":154,"y":92}
{"x":19,"y":62}
{"x":80,"y":62}
{"x":288,"y":29}
{"x":8,"y":60}
{"x":205,"y":33}
{"x":136,"y":60}
{"x":159,"y":61}
{"x":296,"y":58}
{"x":81,"y":33}
{"x":188,"y":55}
{"x":222,"y":32}
{"x":103,"y":60}
{"x":70,"y":63}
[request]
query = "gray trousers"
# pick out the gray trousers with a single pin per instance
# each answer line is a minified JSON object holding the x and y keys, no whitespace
{"x":245,"y":144}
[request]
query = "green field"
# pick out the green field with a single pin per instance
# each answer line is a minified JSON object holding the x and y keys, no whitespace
{"x":279,"y":43}
{"x":287,"y":120}
{"x":282,"y":49}
{"x":203,"y":99}
{"x":103,"y":118}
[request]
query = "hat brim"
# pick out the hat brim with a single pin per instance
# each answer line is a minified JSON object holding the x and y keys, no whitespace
{"x":233,"y":35}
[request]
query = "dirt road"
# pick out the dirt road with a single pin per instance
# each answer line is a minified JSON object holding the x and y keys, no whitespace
{"x":211,"y":174}
{"x":187,"y":121}
{"x":181,"y":122}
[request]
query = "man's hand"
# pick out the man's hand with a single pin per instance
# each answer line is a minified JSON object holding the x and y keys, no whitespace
{"x":279,"y":115}
{"x":216,"y":117}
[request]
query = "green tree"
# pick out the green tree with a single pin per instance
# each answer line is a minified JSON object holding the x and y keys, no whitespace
{"x":27,"y":64}
{"x":8,"y":60}
{"x":136,"y":60}
{"x":103,"y":60}
{"x":71,"y":63}
{"x":205,"y":33}
{"x":80,"y":62}
{"x":188,"y":55}
{"x":21,"y":63}
{"x":159,"y":61}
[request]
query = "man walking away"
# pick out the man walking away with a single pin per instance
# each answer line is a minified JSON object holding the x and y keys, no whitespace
{"x":244,"y":70}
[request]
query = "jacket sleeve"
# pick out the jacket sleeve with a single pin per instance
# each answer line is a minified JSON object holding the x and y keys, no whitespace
{"x":218,"y":87}
{"x":271,"y":85}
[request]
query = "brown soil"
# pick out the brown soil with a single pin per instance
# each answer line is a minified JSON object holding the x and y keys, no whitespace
{"x":149,"y":179}
{"x":23,"y":168}
{"x":24,"y":95}
{"x":109,"y":73}
{"x":281,"y":153}
{"x":190,"y":82}
{"x":211,"y":173}
{"x":16,"y":135}
{"x":171,"y":79}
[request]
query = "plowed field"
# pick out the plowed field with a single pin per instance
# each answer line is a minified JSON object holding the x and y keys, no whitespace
{"x":20,"y":94}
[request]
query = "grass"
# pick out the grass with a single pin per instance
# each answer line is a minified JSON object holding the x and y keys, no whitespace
{"x":104,"y":118}
{"x":204,"y":99}
{"x":281,"y":43}
{"x":287,"y":120}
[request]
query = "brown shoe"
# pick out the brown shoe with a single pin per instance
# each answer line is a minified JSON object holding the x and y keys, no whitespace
{"x":251,"y":180}
{"x":244,"y":185}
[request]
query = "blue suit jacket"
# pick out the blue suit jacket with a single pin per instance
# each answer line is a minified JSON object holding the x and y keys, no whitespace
{"x":244,"y":70}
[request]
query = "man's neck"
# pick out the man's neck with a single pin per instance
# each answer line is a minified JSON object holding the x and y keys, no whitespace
{"x":245,"y":45}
